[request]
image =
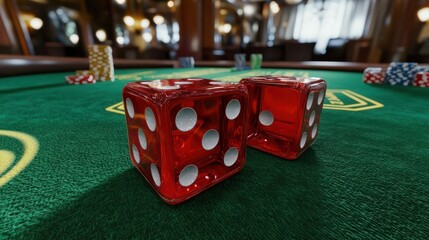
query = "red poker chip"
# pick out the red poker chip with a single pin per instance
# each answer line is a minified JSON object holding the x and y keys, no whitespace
{"x":421,"y":81}
{"x":80,"y":79}
{"x":373,"y":82}
{"x":422,"y":76}
{"x":373,"y":78}
{"x":426,"y":84}
{"x":373,"y":75}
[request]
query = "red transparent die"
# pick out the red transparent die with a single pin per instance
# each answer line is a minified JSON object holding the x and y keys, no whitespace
{"x":284,"y":113}
{"x":185,"y":135}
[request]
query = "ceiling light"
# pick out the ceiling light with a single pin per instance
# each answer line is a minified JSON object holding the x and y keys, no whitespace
{"x":144,"y":23}
{"x":158,"y":19}
{"x":147,"y":36}
{"x":36,"y":23}
{"x":423,"y":14}
{"x":249,"y":10}
{"x":129,"y":21}
{"x":120,"y":2}
{"x":227,"y":28}
{"x":274,"y":7}
{"x":101,"y":35}
{"x":120,"y":40}
{"x":170,"y":4}
{"x":74,"y":38}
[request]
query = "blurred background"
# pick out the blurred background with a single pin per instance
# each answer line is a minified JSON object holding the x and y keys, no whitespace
{"x":374,"y":31}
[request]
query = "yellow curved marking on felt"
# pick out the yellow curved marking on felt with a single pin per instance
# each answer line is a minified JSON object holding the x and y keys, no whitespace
{"x":365,"y":98}
{"x":6,"y":159}
{"x":359,"y":103}
{"x":31,"y":146}
{"x":354,"y":107}
{"x":117,"y":108}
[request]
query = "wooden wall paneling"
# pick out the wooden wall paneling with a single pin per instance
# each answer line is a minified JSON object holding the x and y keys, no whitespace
{"x":266,"y":15}
{"x":414,"y":27}
{"x":378,"y":29}
{"x":399,"y":30}
{"x":87,"y":35}
{"x":111,"y":23}
{"x":405,"y":25}
{"x":190,"y":22}
{"x":209,"y":21}
{"x":20,"y":28}
{"x":7,"y":38}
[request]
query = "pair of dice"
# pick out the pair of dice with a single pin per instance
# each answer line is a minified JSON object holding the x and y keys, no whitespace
{"x":186,"y":135}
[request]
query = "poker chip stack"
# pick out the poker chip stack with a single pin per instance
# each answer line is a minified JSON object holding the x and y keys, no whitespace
{"x":421,"y":79}
{"x":374,"y":75}
{"x":82,"y":79}
{"x":255,"y":61}
{"x":186,"y":62}
{"x":240,"y":62}
{"x":401,"y":73}
{"x":398,"y":73}
{"x":101,"y":62}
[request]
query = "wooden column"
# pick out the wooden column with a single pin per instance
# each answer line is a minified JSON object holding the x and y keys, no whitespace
{"x":266,"y":15}
{"x":20,"y":28}
{"x":414,"y":27}
{"x":399,"y":35}
{"x":8,"y":38}
{"x":209,"y":20}
{"x":191,"y":22}
{"x":404,"y":33}
{"x":84,"y":20}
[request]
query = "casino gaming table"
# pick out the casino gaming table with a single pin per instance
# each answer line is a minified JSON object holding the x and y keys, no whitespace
{"x":65,"y":171}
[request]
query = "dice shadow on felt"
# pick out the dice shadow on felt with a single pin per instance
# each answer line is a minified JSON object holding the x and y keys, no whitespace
{"x":126,"y":207}
{"x":23,"y":89}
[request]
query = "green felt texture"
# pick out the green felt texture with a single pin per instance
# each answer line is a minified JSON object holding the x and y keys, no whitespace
{"x":365,"y":177}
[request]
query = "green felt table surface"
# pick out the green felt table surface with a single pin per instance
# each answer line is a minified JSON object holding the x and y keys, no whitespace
{"x":65,"y":171}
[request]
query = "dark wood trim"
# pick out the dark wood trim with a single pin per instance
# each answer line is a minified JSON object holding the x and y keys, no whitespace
{"x":111,"y":24}
{"x":87,"y":36}
{"x":18,"y":65}
{"x":209,"y":19}
{"x":190,"y":21}
{"x":20,"y":28}
{"x":8,"y":28}
{"x":313,"y":65}
{"x":11,"y":65}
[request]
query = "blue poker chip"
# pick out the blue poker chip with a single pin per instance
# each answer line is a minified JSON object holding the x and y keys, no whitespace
{"x":422,"y":69}
{"x":401,"y":73}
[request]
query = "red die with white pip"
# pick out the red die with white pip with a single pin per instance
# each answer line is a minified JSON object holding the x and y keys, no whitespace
{"x":185,"y":135}
{"x":284,"y":113}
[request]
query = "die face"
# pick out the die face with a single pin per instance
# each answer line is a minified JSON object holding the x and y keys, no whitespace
{"x":142,"y":118}
{"x":279,"y":117}
{"x":313,"y":105}
{"x":201,"y":138}
{"x":207,"y":138}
